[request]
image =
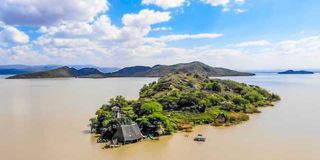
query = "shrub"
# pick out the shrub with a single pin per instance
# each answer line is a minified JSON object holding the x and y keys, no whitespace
{"x":214,"y":86}
{"x":274,"y":97}
{"x":238,"y":100}
{"x":119,"y":101}
{"x":227,"y":105}
{"x":151,"y":107}
{"x":157,"y":117}
{"x":128,"y":110}
{"x":253,"y":96}
{"x":215,"y":100}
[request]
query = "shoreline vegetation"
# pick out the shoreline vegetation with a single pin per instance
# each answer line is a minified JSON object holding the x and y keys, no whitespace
{"x":177,"y":102}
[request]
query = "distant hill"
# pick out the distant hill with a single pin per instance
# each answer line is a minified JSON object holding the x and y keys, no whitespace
{"x":295,"y":72}
{"x":135,"y":71}
{"x":23,"y":69}
{"x":162,"y":70}
{"x":101,"y":69}
{"x":20,"y":69}
{"x":62,"y":72}
{"x":13,"y":71}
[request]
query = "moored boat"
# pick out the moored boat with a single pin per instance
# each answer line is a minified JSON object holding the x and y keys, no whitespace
{"x":200,"y":138}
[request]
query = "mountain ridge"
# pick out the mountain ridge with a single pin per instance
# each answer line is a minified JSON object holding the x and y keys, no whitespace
{"x":62,"y":72}
{"x":192,"y":67}
{"x":23,"y":69}
{"x":135,"y":71}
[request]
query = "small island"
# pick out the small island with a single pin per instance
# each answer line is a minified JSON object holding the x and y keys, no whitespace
{"x":296,"y":72}
{"x":177,"y":102}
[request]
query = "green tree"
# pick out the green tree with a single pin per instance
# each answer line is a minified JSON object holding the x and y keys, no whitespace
{"x":151,"y":107}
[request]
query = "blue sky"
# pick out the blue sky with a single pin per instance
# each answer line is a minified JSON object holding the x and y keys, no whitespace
{"x":239,"y":34}
{"x":272,"y":19}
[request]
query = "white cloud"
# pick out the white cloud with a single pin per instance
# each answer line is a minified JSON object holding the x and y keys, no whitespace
{"x":161,"y":29}
{"x":253,"y":43}
{"x":165,"y":4}
{"x":225,"y":9}
{"x":2,"y":24}
{"x":240,"y":1}
{"x":136,"y":27}
{"x":11,"y":35}
{"x":299,"y":53}
{"x":308,"y":44}
{"x":169,"y":38}
{"x":216,"y":2}
{"x":99,"y":42}
{"x":23,"y":54}
{"x":145,"y":18}
{"x":240,"y":10}
{"x":302,"y":53}
{"x":2,"y":52}
{"x":101,"y":28}
{"x":48,"y":12}
{"x":227,"y":5}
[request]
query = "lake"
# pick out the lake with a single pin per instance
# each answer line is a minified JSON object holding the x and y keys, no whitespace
{"x":47,"y":119}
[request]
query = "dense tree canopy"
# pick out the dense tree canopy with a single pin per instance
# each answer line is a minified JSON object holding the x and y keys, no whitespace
{"x":180,"y":98}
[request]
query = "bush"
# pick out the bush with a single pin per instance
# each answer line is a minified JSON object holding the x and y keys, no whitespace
{"x":119,"y":101}
{"x":157,"y":117}
{"x":253,"y":96}
{"x":274,"y":97}
{"x":169,"y":102}
{"x":151,"y":107}
{"x":215,"y":100}
{"x":214,"y":86}
{"x":238,"y":100}
{"x":128,"y":110}
{"x":227,"y":105}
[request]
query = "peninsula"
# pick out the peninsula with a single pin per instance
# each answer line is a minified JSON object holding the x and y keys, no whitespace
{"x":135,"y":71}
{"x":175,"y":102}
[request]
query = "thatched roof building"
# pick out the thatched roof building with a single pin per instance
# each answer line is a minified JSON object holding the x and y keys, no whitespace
{"x":128,"y":133}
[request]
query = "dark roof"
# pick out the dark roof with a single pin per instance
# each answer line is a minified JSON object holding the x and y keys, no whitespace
{"x":128,"y":133}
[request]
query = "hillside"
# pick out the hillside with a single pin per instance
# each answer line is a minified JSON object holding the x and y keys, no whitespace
{"x":62,"y":72}
{"x":135,"y":71}
{"x":162,"y":70}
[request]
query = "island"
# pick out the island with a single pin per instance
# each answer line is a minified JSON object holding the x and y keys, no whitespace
{"x":162,"y":70}
{"x":62,"y":72}
{"x":296,"y":72}
{"x":25,"y":69}
{"x":135,"y":71}
{"x":177,"y":102}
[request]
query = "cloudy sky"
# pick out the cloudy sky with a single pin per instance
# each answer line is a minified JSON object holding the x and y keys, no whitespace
{"x":238,"y":34}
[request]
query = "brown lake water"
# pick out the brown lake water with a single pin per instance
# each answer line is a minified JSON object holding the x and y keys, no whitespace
{"x":47,"y":120}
